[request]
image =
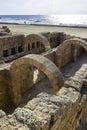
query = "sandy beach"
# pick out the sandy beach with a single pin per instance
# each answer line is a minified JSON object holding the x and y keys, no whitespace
{"x":28,"y":29}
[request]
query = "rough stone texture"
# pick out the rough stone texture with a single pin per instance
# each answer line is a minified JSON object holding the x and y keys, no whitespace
{"x":69,"y":50}
{"x":63,"y":55}
{"x":67,"y":110}
{"x":21,"y":80}
{"x":33,"y":43}
{"x":56,"y":38}
{"x":2,"y":114}
{"x":63,"y":111}
{"x":4,"y":30}
{"x":36,"y":43}
{"x":4,"y":92}
{"x":11,"y":47}
{"x":77,"y":81}
{"x":14,"y":46}
{"x":82,"y":123}
{"x":49,"y":69}
{"x":50,"y":54}
{"x":19,"y":76}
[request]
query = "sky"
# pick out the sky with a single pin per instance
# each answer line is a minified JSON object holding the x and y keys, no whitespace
{"x":46,"y":7}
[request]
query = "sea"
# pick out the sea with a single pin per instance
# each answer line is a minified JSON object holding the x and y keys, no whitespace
{"x":60,"y":20}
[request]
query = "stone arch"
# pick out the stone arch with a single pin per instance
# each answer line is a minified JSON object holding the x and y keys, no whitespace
{"x":34,"y":38}
{"x":76,"y":41}
{"x":20,"y":71}
{"x":76,"y":47}
{"x":65,"y":52}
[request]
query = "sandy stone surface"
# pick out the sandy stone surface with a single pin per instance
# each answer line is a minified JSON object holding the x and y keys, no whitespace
{"x":71,"y":68}
{"x":28,"y":29}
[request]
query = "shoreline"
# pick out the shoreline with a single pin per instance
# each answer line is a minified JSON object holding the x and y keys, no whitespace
{"x":68,"y":26}
{"x":50,"y":25}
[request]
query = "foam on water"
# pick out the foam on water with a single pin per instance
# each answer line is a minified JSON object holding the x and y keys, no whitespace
{"x":69,"y":20}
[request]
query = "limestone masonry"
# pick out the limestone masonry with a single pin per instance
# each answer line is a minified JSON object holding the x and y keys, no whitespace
{"x":43,"y":81}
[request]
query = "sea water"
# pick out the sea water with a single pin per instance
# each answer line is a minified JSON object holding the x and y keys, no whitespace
{"x":67,"y":20}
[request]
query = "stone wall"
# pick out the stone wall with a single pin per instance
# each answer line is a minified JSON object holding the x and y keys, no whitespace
{"x":79,"y":83}
{"x":56,"y":38}
{"x":4,"y":29}
{"x":18,"y":76}
{"x":36,"y":44}
{"x":21,"y":80}
{"x":4,"y":91}
{"x":14,"y":82}
{"x":85,"y":39}
{"x":14,"y":46}
{"x":65,"y":111}
{"x":11,"y":46}
{"x":76,"y":50}
{"x":63,"y":55}
{"x":69,"y":50}
{"x":50,"y":54}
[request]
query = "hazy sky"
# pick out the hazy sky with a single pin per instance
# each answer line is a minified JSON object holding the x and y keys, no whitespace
{"x":43,"y":6}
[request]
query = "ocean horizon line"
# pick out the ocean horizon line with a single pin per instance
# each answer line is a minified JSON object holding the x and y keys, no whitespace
{"x":56,"y":20}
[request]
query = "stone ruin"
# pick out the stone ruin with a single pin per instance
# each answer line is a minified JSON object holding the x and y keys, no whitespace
{"x":43,"y":82}
{"x":4,"y":31}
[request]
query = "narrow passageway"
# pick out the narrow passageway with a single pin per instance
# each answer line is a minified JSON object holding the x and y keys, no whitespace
{"x":70,"y":69}
{"x":42,"y":86}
